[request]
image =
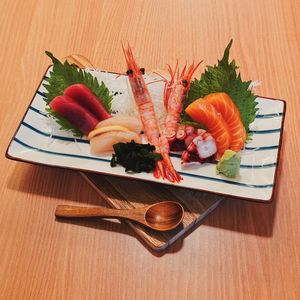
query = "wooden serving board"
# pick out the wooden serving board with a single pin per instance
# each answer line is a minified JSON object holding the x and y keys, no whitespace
{"x":122,"y":193}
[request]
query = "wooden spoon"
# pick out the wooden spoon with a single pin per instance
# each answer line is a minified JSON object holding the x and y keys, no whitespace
{"x":161,"y":216}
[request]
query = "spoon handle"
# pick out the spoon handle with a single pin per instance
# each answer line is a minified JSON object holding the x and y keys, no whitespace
{"x":69,"y":211}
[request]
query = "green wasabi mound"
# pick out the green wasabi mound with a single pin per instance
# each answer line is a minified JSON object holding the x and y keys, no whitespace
{"x":229,"y":164}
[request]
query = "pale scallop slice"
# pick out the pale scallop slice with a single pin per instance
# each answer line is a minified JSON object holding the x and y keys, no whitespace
{"x":132,"y":123}
{"x":103,"y":143}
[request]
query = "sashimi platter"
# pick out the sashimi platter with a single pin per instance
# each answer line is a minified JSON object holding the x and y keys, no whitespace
{"x":210,"y":133}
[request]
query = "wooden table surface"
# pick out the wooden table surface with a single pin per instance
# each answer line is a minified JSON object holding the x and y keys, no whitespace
{"x":243,"y":250}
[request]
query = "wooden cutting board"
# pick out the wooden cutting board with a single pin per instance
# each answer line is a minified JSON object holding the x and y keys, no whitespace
{"x":124,"y":193}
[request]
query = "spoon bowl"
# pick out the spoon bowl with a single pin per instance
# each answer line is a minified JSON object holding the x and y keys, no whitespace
{"x":164,"y":215}
{"x":161,"y":216}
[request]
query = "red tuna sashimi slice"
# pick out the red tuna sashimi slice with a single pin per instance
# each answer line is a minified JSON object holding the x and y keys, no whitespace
{"x":77,"y":115}
{"x":87,"y":99}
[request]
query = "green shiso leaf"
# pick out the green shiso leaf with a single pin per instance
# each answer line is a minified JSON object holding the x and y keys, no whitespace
{"x":62,"y":76}
{"x":223,"y":77}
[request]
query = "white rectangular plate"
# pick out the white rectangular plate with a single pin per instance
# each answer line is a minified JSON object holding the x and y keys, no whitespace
{"x":39,"y":140}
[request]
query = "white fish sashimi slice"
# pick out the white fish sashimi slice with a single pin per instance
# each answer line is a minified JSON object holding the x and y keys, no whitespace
{"x":104,"y":142}
{"x":131,"y":123}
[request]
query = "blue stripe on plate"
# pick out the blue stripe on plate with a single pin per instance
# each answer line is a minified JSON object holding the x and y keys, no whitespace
{"x":59,"y":153}
{"x":262,"y":148}
{"x":271,"y":165}
{"x":78,"y":140}
{"x":38,"y":111}
{"x":41,"y":94}
{"x":266,"y":116}
{"x":214,"y":162}
{"x":265,"y":131}
{"x":54,"y":136}
{"x":227,"y":181}
{"x":107,"y":160}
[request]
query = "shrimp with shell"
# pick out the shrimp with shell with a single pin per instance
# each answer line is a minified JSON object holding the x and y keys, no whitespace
{"x":175,"y":93}
{"x":164,"y":168}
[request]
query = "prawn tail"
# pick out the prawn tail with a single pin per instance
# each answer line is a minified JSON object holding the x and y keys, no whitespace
{"x":159,"y":170}
{"x":165,"y":170}
{"x":170,"y":173}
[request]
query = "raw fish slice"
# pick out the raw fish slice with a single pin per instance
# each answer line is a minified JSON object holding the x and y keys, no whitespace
{"x":204,"y":113}
{"x":104,"y":142}
{"x":223,"y":104}
{"x":87,"y":99}
{"x":131,"y":123}
{"x":77,"y":115}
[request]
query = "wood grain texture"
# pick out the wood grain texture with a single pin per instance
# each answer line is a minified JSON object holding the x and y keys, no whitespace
{"x":161,"y":216}
{"x":242,"y":251}
{"x":115,"y":192}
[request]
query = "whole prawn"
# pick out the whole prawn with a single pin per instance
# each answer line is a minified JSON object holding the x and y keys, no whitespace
{"x":164,"y":168}
{"x":176,"y":90}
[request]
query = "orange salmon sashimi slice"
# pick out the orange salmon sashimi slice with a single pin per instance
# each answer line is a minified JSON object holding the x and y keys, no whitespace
{"x":202,"y":112}
{"x":230,"y":113}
